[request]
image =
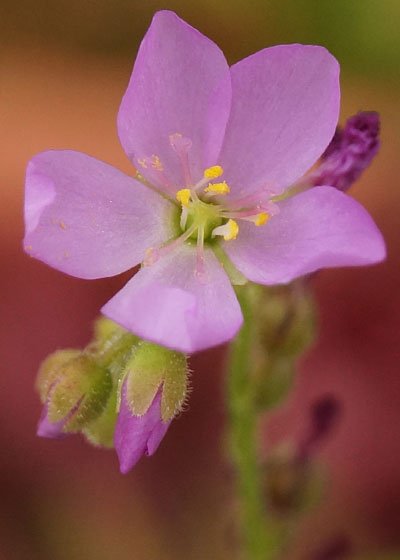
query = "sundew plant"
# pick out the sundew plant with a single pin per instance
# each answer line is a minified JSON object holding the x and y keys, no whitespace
{"x":237,"y":197}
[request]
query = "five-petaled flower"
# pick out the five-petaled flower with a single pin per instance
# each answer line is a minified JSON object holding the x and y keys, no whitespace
{"x":215,"y":148}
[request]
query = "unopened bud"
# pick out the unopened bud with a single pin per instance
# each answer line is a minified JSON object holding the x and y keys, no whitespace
{"x":286,"y":481}
{"x":294,"y":480}
{"x":50,"y":368}
{"x":284,"y":320}
{"x":83,"y":388}
{"x":324,"y":414}
{"x":350,"y":152}
{"x":152,"y":393}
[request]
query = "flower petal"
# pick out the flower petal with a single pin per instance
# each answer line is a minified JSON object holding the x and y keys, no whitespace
{"x":167,"y":304}
{"x":157,"y":434}
{"x":321,"y":227}
{"x":285,"y":106}
{"x":138,"y":435}
{"x":175,"y":72}
{"x":88,"y":219}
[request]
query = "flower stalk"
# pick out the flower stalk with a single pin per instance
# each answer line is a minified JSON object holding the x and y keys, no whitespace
{"x":277,"y":327}
{"x":243,"y":418}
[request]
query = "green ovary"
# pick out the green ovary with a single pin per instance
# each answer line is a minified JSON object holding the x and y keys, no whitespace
{"x":203,"y":215}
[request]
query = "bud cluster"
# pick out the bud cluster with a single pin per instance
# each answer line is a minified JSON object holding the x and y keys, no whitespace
{"x":118,"y":391}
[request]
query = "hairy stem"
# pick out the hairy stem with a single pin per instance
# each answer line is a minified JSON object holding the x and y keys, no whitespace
{"x":243,"y":410}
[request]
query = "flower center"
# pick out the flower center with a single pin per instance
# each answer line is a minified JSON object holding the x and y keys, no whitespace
{"x":204,"y":213}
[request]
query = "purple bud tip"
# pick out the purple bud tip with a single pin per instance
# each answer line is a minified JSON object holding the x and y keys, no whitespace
{"x":48,"y":429}
{"x":324,"y":413}
{"x":350,"y":152}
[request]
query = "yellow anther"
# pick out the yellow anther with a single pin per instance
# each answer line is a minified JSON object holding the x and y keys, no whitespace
{"x":183,"y":196}
{"x":228,"y":231}
{"x":213,"y":172}
{"x":261,"y":219}
{"x":156,"y":163}
{"x":233,"y":230}
{"x":143,"y":163}
{"x":218,"y":188}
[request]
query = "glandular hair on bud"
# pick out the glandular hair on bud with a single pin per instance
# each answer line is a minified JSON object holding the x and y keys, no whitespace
{"x":153,"y":367}
{"x":81,"y":390}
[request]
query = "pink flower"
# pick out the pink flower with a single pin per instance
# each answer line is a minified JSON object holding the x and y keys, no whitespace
{"x":213,"y":145}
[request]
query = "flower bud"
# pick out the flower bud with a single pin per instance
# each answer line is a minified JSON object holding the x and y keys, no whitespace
{"x":50,"y":368}
{"x":324,"y":413}
{"x":293,"y":479}
{"x":78,"y":394}
{"x":350,"y":152}
{"x":284,"y":323}
{"x":152,"y":393}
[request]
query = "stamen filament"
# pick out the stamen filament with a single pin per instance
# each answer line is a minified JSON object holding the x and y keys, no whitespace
{"x":261,"y":195}
{"x":259,"y":218}
{"x":195,"y":198}
{"x":240,"y":214}
{"x":202,"y":183}
{"x":155,"y":253}
{"x":187,"y":176}
{"x":201,"y":273}
{"x":184,"y":216}
{"x":181,"y":145}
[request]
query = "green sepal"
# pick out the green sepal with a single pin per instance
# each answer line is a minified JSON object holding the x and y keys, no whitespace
{"x":50,"y":369}
{"x":151,"y":367}
{"x":82,"y":384}
{"x":104,"y":328}
{"x":142,"y":385}
{"x":101,"y":430}
{"x":174,"y":387}
{"x":112,"y":345}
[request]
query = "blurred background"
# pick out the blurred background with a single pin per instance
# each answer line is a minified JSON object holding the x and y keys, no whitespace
{"x":64,"y":66}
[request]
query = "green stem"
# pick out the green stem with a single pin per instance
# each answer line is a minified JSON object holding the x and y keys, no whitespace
{"x":242,"y":393}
